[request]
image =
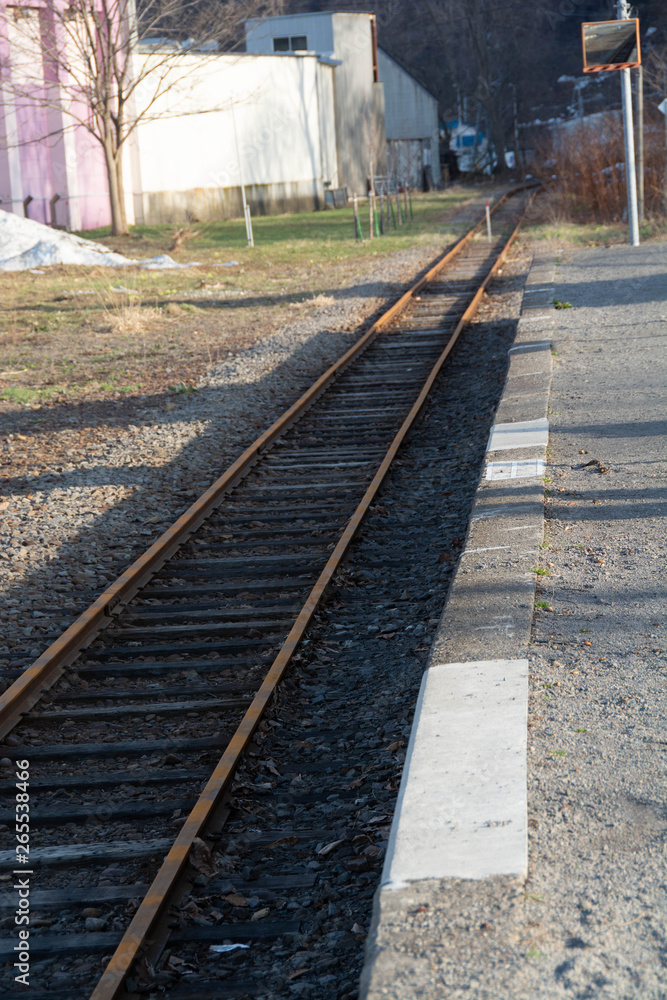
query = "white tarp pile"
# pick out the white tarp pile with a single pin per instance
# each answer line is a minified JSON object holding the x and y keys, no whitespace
{"x":25,"y":244}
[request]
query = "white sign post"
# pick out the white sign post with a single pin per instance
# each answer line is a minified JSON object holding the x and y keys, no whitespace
{"x":628,"y":128}
{"x":614,"y":45}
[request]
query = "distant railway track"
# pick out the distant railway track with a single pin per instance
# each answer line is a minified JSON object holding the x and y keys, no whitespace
{"x":142,"y":710}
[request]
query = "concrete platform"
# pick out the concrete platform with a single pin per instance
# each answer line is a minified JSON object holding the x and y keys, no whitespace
{"x":461,"y":913}
{"x":462,"y":808}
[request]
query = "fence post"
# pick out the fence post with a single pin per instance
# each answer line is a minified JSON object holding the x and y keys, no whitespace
{"x":54,"y":201}
{"x":357,"y":223}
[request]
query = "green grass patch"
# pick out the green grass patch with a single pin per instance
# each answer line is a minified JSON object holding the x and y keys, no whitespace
{"x":304,"y":238}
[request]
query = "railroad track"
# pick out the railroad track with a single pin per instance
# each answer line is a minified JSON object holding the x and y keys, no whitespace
{"x":123,"y":719}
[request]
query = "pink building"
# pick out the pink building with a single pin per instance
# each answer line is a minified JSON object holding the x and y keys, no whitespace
{"x":51,"y":168}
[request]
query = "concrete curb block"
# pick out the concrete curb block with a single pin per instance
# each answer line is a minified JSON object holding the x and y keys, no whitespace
{"x":461,"y":810}
{"x":487,"y":620}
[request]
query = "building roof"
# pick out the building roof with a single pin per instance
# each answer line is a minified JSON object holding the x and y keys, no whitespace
{"x":406,"y":70}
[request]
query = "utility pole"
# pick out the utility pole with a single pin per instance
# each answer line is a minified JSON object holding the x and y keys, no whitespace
{"x":665,"y":113}
{"x":630,"y":173}
{"x":516,"y":128}
{"x":640,"y":141}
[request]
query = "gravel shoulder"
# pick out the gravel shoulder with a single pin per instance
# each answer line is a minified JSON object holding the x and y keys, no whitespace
{"x":599,"y":663}
{"x":590,"y":921}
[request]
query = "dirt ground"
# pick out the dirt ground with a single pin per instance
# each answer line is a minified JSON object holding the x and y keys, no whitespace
{"x":97,"y":336}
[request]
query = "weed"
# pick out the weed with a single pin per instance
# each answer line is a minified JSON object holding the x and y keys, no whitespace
{"x":581,"y":729}
{"x":585,"y":630}
{"x":17,"y":394}
{"x":540,"y":571}
{"x":534,"y":953}
{"x":535,"y":897}
{"x":559,"y":753}
{"x":541,"y":604}
{"x":181,"y":388}
{"x":561,"y":305}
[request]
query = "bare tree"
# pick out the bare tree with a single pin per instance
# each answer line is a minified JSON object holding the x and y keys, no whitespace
{"x":108,"y":63}
{"x":485,"y":47}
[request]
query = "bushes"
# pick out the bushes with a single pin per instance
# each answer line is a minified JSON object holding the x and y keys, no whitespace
{"x":584,"y":166}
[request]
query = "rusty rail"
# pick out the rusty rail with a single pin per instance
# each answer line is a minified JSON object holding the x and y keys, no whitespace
{"x":26,"y":690}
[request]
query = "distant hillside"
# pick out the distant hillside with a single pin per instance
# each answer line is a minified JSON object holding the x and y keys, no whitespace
{"x":534,"y":44}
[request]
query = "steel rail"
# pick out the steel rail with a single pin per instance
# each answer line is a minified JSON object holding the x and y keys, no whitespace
{"x":26,"y":690}
{"x":154,"y":905}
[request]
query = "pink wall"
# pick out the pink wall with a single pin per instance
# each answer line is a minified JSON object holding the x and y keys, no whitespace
{"x":39,"y":158}
{"x":92,"y":181}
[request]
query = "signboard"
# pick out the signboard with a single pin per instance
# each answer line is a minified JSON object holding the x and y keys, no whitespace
{"x":610,"y":45}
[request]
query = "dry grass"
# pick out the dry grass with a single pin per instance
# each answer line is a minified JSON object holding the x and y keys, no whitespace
{"x":585,"y":171}
{"x":84,"y":334}
{"x":131,"y":319}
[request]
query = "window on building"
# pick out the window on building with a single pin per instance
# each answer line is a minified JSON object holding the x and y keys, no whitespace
{"x":295,"y":43}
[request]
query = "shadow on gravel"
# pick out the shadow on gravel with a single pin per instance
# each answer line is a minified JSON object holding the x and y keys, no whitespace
{"x":617,"y":291}
{"x":122,"y":412}
{"x":639,"y":428}
{"x":172,"y":488}
{"x":611,"y":512}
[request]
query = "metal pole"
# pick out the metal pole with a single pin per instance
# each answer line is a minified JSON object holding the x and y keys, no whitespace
{"x":665,"y":177}
{"x":357,"y":223}
{"x":630,"y":174}
{"x":246,"y":207}
{"x":488,"y":222}
{"x":516,"y":128}
{"x":640,"y":142}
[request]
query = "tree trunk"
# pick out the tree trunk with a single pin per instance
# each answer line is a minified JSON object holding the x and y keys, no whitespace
{"x":497,"y":135}
{"x":116,"y":193}
{"x":121,"y":191}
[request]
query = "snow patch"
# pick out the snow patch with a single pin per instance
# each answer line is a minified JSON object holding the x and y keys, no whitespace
{"x":26,"y":244}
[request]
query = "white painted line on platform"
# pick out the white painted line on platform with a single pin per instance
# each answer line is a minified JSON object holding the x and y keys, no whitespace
{"x":521,"y":434}
{"x":462,"y":805}
{"x":508,"y":509}
{"x":492,"y":548}
{"x":526,"y":374}
{"x":538,"y":345}
{"x":538,"y":288}
{"x":526,"y":527}
{"x":528,"y":469}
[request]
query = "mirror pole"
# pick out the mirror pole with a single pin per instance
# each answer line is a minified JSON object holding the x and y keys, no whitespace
{"x":628,"y":129}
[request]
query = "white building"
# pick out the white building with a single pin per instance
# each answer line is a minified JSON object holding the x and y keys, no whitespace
{"x":411,"y":124}
{"x":350,"y":41}
{"x":264,"y":121}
